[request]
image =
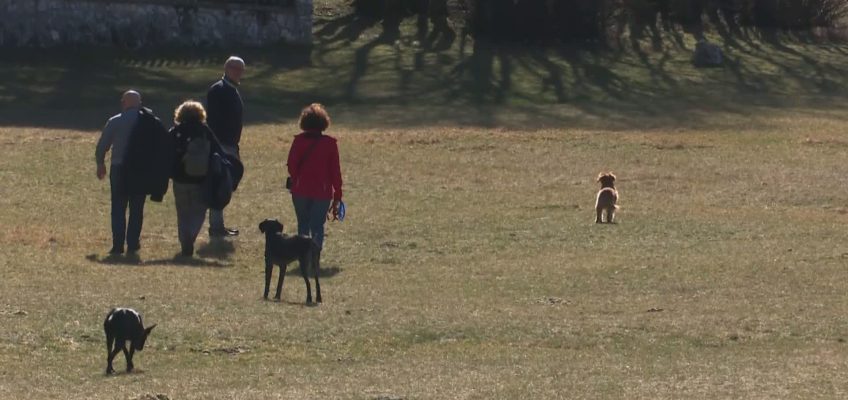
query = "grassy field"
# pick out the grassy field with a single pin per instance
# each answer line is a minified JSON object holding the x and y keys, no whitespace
{"x":469,"y":265}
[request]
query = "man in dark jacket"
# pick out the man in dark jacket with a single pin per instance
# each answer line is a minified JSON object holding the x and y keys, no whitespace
{"x":134,"y":171}
{"x":225,"y":109}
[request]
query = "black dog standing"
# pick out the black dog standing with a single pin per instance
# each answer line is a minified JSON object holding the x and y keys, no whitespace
{"x":281,"y":249}
{"x":124,"y":324}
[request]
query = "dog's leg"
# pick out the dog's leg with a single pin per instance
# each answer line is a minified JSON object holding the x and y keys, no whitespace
{"x":611,"y":215}
{"x":269,"y":269}
{"x":304,"y":262}
{"x":316,"y":264}
{"x":114,"y":353}
{"x":130,"y":365}
{"x":121,"y":345}
{"x":110,"y":340}
{"x":599,"y":211}
{"x":280,"y":281}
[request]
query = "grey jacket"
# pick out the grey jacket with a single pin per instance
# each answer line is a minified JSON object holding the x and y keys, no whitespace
{"x":116,"y":136}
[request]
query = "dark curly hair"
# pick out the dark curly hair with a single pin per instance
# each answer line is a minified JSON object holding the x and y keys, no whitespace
{"x":314,"y":118}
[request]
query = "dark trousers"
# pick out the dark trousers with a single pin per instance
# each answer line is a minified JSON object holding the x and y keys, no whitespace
{"x":216,"y":217}
{"x":120,"y":200}
{"x":311,"y":215}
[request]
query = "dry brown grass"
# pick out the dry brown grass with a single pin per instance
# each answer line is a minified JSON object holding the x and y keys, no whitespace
{"x":468,"y":267}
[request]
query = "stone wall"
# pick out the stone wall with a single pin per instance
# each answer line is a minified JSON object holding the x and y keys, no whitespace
{"x":140,"y":23}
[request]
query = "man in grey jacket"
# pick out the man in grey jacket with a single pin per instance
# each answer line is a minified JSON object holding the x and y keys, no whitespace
{"x":116,"y":136}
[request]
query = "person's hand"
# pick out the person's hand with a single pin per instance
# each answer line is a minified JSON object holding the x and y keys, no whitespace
{"x":101,"y":171}
{"x":333,"y":214}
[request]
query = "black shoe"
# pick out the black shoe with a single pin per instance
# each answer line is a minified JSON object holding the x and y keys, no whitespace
{"x":133,"y":250}
{"x":116,"y":251}
{"x":187,"y":251}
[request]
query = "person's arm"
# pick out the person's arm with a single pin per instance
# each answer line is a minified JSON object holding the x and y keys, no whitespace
{"x":229,"y":123}
{"x":213,"y":138}
{"x":220,"y":103}
{"x":335,"y":180}
{"x":179,"y":150}
{"x":291,"y":161}
{"x":210,"y":103}
{"x":335,"y":172}
{"x":107,"y":137}
{"x":214,"y":109}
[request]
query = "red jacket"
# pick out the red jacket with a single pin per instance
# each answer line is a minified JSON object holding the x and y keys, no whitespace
{"x":319,"y":176}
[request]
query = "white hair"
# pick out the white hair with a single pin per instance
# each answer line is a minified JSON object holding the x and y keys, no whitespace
{"x":234,"y":60}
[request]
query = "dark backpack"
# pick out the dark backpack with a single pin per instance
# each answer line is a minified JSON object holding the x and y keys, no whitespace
{"x":219,"y":183}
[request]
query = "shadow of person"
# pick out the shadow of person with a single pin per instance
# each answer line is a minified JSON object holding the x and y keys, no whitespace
{"x":179,"y":259}
{"x":135,"y":259}
{"x":116,"y":259}
{"x":217,"y":248}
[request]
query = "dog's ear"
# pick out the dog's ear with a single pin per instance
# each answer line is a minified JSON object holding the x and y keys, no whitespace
{"x":600,"y":176}
{"x":267,"y":225}
{"x":611,"y":176}
{"x":149,"y":329}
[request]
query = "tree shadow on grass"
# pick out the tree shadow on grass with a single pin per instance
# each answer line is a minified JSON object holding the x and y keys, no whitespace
{"x":80,"y":88}
{"x":346,"y":28}
{"x":359,"y":67}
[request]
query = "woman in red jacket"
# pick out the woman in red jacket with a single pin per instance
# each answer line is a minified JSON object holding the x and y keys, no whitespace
{"x":316,"y":177}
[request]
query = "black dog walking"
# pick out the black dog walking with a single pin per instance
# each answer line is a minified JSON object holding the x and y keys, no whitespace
{"x":281,"y":249}
{"x":124,"y":324}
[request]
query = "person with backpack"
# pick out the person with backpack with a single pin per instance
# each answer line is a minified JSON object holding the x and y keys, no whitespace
{"x":141,"y":153}
{"x":195,"y":143}
{"x":315,"y":177}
